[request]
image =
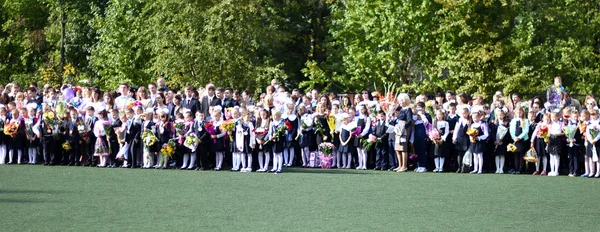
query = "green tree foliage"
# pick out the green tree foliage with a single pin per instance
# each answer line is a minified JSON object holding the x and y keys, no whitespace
{"x":474,"y":46}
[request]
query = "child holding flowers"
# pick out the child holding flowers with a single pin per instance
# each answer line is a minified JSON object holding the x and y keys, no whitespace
{"x":478,"y":142}
{"x":555,"y":131}
{"x":149,"y":145}
{"x":538,"y":142}
{"x":277,"y":135}
{"x":245,"y":141}
{"x":519,"y":132}
{"x":262,"y":129}
{"x":584,"y":121}
{"x":101,"y":130}
{"x":502,"y":138}
{"x":219,"y":143}
{"x":33,"y":141}
{"x":188,"y":154}
{"x":460,"y":138}
{"x":306,"y":130}
{"x":17,"y":139}
{"x":592,"y":135}
{"x":291,"y":135}
{"x":165,"y":133}
{"x":440,"y":151}
{"x":345,"y":144}
{"x":4,"y":140}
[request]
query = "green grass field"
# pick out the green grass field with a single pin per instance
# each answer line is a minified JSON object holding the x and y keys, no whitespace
{"x":37,"y":198}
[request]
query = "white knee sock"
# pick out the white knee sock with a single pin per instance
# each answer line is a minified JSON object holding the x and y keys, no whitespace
{"x":192,"y":160}
{"x":267,"y":159}
{"x":339,"y":159}
{"x":186,"y":158}
{"x":292,"y":156}
{"x":349,"y":160}
{"x":243,"y":158}
{"x":304,"y":154}
{"x":585,"y":164}
{"x":285,"y":156}
{"x":364,"y":159}
{"x":551,"y":163}
{"x":557,"y":164}
{"x":502,"y":160}
{"x":2,"y":154}
{"x":497,"y":160}
{"x":10,"y":156}
{"x":442,"y":160}
{"x":480,"y":157}
{"x":219,"y":160}
{"x":249,"y":161}
{"x":19,"y":155}
{"x":276,"y":158}
{"x":236,"y":161}
{"x":545,"y":161}
{"x":437,"y":163}
{"x":360,"y":162}
{"x":260,"y":161}
{"x":279,"y":161}
{"x":344,"y":161}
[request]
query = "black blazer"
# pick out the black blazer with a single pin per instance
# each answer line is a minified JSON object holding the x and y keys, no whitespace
{"x":193,"y":105}
{"x":206,"y":105}
{"x":72,"y":134}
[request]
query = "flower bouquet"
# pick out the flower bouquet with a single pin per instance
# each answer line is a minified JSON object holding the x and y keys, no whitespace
{"x":530,"y":156}
{"x":29,"y":129}
{"x":543,"y":132}
{"x":326,"y":160}
{"x":570,"y":133}
{"x":326,"y":148}
{"x":61,"y":109}
{"x":357,"y":131}
{"x":368,"y":143}
{"x":52,"y":122}
{"x":594,"y":130}
{"x":502,"y":130}
{"x":106,"y":127}
{"x":511,"y":147}
{"x":66,"y":146}
{"x":260,"y":133}
{"x":191,"y":142}
{"x":473,"y":134}
{"x":11,"y":129}
{"x":434,"y":136}
{"x":179,"y":126}
{"x":331,"y":122}
{"x":149,"y":138}
{"x":227,"y":126}
{"x":168,"y":149}
{"x":279,"y":131}
{"x":319,"y":128}
{"x":210,"y":129}
{"x":429,"y":107}
{"x":83,"y":129}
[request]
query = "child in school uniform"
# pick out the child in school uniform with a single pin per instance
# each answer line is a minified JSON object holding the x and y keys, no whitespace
{"x":335,"y":111}
{"x":245,"y":141}
{"x":584,"y":121}
{"x":263,"y":122}
{"x":189,"y":156}
{"x":452,"y":118}
{"x":90,"y":120}
{"x":149,"y":151}
{"x":501,"y":141}
{"x":291,"y":135}
{"x":116,"y":125}
{"x":278,"y":143}
{"x":364,"y":122}
{"x":346,"y":143}
{"x":218,"y":147}
{"x":555,"y":134}
{"x":594,"y":169}
{"x":419,"y":139}
{"x":236,"y":157}
{"x":307,"y":132}
{"x":479,"y":143}
{"x":164,"y":134}
{"x":540,"y":146}
{"x":19,"y":141}
{"x":461,"y":139}
{"x":73,"y":137}
{"x":440,"y":147}
{"x":101,"y":146}
{"x":573,"y":145}
{"x":381,"y":146}
{"x":204,"y":147}
{"x":519,"y":132}
{"x":3,"y":138}
{"x":33,"y":142}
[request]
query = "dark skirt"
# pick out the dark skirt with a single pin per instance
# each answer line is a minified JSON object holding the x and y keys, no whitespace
{"x":522,"y":146}
{"x":219,"y":145}
{"x":554,"y":145}
{"x":18,"y":142}
{"x":479,"y":146}
{"x":590,"y":149}
{"x":33,"y":143}
{"x":540,"y":147}
{"x":304,"y":140}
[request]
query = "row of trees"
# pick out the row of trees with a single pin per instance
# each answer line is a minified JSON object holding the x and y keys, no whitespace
{"x":477,"y":46}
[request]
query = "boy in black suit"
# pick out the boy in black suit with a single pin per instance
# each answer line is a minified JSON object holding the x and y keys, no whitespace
{"x":381,"y":147}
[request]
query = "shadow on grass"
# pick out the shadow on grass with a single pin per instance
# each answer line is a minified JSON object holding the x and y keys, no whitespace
{"x":25,"y":201}
{"x":325,"y":171}
{"x":23,"y":191}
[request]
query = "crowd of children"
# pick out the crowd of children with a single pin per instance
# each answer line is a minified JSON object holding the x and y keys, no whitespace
{"x":212,"y":128}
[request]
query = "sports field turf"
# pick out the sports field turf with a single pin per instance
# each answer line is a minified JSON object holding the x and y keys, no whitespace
{"x":37,"y":198}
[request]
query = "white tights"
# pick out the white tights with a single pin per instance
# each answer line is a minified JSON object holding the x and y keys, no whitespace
{"x":263,"y":163}
{"x":219,"y":160}
{"x":544,"y":159}
{"x":499,"y":163}
{"x":288,"y":156}
{"x":554,"y":163}
{"x":477,"y":162}
{"x":362,"y":158}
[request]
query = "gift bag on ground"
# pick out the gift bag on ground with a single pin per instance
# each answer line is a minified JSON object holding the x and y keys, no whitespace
{"x":468,"y":158}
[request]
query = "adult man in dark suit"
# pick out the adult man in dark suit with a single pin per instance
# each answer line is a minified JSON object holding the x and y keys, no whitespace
{"x":190,"y":102}
{"x":209,"y":100}
{"x":228,"y":101}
